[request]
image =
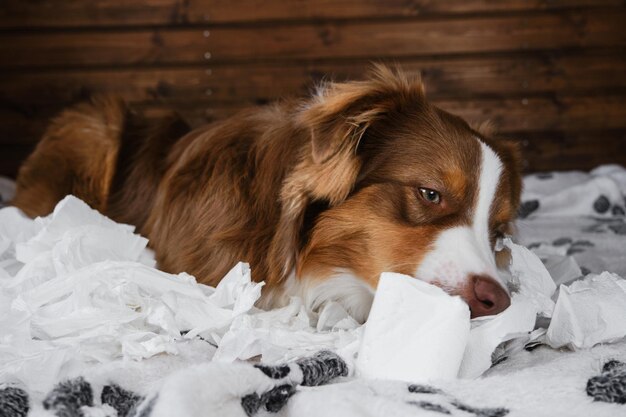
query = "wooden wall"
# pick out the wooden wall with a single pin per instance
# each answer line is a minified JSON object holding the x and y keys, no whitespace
{"x":551,"y":73}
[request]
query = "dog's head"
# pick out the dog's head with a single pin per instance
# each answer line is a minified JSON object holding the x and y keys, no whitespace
{"x":392,"y":183}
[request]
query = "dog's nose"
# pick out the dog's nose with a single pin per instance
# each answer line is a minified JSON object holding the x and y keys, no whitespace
{"x":486,"y":297}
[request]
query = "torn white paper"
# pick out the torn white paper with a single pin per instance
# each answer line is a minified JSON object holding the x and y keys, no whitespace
{"x":84,"y":291}
{"x":15,"y":228}
{"x":562,"y":269}
{"x":283,"y":334}
{"x":588,"y":312}
{"x":77,"y":288}
{"x":530,"y":277}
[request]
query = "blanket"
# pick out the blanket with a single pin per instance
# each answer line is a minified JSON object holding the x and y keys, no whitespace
{"x":89,"y":327}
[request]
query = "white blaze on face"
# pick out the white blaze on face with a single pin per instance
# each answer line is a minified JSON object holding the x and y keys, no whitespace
{"x":462,"y":251}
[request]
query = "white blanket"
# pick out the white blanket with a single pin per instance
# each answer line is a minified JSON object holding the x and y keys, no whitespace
{"x":89,"y":327}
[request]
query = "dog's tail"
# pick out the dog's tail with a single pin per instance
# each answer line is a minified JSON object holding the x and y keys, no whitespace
{"x":86,"y":151}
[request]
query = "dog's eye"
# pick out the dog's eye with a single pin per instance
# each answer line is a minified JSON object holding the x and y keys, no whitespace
{"x":429,"y":195}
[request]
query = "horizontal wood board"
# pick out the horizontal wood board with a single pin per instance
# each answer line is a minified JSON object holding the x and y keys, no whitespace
{"x":549,"y":73}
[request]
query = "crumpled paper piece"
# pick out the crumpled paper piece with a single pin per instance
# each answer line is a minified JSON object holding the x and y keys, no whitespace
{"x":86,"y":292}
{"x":563,"y":269}
{"x":15,"y":228}
{"x":588,"y":312}
{"x":530,"y":278}
{"x":284,"y":334}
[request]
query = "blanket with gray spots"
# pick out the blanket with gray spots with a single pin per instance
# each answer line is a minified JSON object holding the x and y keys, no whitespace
{"x":576,"y":215}
{"x":256,"y":389}
{"x":248,"y":390}
{"x":574,"y":221}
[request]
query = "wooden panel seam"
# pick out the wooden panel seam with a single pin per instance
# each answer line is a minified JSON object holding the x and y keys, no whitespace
{"x":46,"y":14}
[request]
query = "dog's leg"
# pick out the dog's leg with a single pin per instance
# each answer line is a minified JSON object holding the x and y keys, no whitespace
{"x":77,"y":155}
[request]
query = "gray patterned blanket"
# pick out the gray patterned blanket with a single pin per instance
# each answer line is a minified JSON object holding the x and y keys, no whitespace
{"x":88,"y":327}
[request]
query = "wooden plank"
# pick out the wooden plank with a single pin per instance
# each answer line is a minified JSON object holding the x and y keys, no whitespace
{"x":542,"y":151}
{"x":550,"y":151}
{"x":222,"y":11}
{"x":537,"y":114}
{"x":488,"y":75}
{"x":508,"y":114}
{"x":316,"y":41}
{"x":25,"y":124}
{"x":28,"y":14}
{"x":571,"y":113}
{"x":102,"y":13}
{"x":61,"y":87}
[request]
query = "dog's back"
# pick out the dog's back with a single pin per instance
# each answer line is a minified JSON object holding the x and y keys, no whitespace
{"x":205,"y":198}
{"x":104,"y":154}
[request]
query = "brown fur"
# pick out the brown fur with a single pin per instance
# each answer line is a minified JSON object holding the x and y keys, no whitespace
{"x":312,"y":186}
{"x":77,"y":155}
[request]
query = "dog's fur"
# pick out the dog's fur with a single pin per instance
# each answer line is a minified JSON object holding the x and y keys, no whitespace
{"x":319,"y":195}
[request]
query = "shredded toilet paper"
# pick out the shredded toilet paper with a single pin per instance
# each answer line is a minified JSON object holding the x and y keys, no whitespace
{"x":562,"y":269}
{"x":589,"y":312}
{"x":77,"y":288}
{"x":530,"y":278}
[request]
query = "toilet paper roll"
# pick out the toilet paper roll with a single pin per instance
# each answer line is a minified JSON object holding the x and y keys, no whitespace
{"x":415,"y":332}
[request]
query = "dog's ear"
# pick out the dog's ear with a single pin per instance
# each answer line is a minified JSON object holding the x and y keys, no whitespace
{"x":338,"y":117}
{"x":335,"y":120}
{"x":339,"y":113}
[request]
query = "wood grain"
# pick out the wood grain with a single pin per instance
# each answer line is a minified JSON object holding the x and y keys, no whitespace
{"x":549,"y":73}
{"x":564,"y":113}
{"x":106,"y":13}
{"x":23,"y":125}
{"x":519,"y":75}
{"x":542,"y":151}
{"x":307,"y":42}
{"x":571,"y":150}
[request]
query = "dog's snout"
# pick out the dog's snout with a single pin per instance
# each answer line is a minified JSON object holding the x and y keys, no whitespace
{"x":486,"y":297}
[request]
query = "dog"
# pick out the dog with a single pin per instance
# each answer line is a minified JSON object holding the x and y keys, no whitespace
{"x":319,"y":195}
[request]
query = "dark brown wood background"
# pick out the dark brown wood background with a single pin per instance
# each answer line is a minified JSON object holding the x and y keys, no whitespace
{"x":551,"y":73}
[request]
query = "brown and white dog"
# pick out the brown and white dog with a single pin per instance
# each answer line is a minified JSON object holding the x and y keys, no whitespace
{"x":319,"y":195}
